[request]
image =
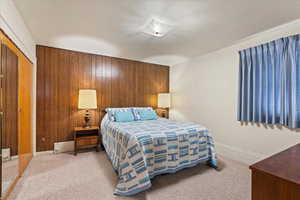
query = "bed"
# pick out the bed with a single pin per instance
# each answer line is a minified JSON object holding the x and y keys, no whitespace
{"x":140,"y":150}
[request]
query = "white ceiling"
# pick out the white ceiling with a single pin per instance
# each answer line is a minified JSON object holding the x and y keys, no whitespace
{"x":112,"y":27}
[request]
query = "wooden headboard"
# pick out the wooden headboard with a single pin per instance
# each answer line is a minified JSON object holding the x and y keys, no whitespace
{"x":119,"y":83}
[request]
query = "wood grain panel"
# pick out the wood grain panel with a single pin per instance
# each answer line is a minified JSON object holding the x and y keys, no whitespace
{"x":25,"y":114}
{"x":277,"y":177}
{"x":268,"y":187}
{"x":9,"y":82}
{"x":119,"y":83}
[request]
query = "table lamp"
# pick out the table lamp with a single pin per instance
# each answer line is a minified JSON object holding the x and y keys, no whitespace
{"x":164,"y":102}
{"x":87,"y":100}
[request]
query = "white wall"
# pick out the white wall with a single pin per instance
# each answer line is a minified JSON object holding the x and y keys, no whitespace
{"x":12,"y":24}
{"x":204,"y":90}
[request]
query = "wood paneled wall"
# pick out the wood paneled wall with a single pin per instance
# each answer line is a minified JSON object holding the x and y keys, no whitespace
{"x":119,"y":83}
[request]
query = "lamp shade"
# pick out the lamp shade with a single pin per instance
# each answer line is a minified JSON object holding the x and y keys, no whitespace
{"x":164,"y":100}
{"x":87,"y":99}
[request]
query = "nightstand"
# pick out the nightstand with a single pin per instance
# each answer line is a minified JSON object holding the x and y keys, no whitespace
{"x":86,"y":138}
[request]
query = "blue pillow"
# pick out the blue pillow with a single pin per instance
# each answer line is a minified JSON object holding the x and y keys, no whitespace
{"x":111,"y":112}
{"x":126,"y":116}
{"x":136,"y":111}
{"x":148,"y":115}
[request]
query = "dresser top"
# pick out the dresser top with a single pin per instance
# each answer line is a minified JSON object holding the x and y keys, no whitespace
{"x":285,"y":165}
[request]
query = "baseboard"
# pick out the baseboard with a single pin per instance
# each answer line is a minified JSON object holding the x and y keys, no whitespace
{"x":59,"y":147}
{"x":43,"y":153}
{"x":238,"y":154}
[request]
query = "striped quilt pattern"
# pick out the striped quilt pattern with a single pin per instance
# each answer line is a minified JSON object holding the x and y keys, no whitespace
{"x":140,"y":150}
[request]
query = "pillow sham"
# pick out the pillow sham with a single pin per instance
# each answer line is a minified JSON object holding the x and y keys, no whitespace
{"x":136,"y":111}
{"x":148,"y":115}
{"x":111,"y":112}
{"x":126,"y":116}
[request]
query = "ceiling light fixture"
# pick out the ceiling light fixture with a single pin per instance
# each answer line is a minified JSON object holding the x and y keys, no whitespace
{"x":156,"y":28}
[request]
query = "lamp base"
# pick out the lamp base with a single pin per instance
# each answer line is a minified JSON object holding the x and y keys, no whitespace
{"x":87,"y":118}
{"x":163,"y":112}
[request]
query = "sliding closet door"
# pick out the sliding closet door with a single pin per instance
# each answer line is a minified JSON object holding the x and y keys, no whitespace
{"x":25,"y":114}
{"x":9,"y":111}
{"x":21,"y":78}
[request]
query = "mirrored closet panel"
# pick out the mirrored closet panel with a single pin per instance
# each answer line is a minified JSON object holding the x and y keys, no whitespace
{"x":9,"y":118}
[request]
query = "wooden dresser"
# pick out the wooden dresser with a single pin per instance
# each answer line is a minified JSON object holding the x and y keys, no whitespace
{"x":277,"y":177}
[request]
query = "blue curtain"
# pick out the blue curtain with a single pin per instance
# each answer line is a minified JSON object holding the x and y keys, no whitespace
{"x":269,"y":83}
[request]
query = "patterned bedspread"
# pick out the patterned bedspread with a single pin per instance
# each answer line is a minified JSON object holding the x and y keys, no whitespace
{"x":140,"y":150}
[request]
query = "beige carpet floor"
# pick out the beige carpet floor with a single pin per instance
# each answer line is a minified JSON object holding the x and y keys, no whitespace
{"x":89,"y":176}
{"x":9,"y":173}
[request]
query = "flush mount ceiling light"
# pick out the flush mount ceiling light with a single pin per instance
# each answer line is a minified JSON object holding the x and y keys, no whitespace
{"x":156,"y":28}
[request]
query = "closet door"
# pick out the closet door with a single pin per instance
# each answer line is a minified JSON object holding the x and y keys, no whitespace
{"x":9,"y":115}
{"x":25,"y":112}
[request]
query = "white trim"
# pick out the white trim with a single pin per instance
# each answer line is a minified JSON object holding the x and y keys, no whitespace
{"x":14,"y":157}
{"x":43,"y":153}
{"x":238,"y":154}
